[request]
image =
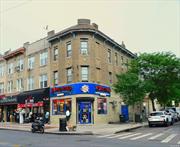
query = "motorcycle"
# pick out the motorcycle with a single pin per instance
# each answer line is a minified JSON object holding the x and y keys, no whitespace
{"x":38,"y":125}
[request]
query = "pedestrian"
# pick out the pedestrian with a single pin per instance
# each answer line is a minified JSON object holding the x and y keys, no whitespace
{"x":47,"y":117}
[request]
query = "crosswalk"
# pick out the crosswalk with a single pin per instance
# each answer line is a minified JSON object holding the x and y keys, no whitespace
{"x":150,"y":136}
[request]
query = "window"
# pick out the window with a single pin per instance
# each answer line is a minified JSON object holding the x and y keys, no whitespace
{"x":20,"y":65}
{"x":84,"y":47}
{"x":19,"y":84}
{"x":102,"y":105}
{"x":10,"y":86}
{"x":43,"y":58}
{"x":84,"y":74}
{"x":122,"y":60}
{"x":55,"y":75}
{"x":30,"y":83}
{"x":69,"y":49}
{"x":10,"y":68}
{"x":116,"y":59}
{"x":43,"y":81}
{"x":127,"y":63}
{"x":109,"y":56}
{"x":59,"y":106}
{"x":110,"y":77}
{"x":69,"y":75}
{"x":1,"y":70}
{"x":55,"y":53}
{"x":1,"y":88}
{"x":31,"y":61}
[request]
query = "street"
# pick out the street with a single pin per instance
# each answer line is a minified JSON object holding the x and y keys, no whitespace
{"x":145,"y":137}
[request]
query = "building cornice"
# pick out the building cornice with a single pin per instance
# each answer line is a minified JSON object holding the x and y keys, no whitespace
{"x":90,"y":30}
{"x":14,"y":53}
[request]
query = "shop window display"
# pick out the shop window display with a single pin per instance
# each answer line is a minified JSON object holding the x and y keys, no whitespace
{"x":60,"y":106}
{"x":102,"y":105}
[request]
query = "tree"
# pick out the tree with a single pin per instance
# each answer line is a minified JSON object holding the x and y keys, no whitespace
{"x":131,"y":88}
{"x":160,"y":72}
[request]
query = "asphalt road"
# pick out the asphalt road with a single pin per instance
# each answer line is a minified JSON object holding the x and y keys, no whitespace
{"x":143,"y":137}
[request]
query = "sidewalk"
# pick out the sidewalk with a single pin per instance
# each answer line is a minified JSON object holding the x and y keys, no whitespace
{"x":80,"y":130}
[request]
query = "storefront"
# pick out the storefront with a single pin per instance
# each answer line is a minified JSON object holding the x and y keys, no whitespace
{"x":87,"y":102}
{"x":35,"y":101}
{"x":8,"y":106}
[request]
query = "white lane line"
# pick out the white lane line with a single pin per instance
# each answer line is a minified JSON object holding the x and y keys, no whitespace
{"x":169,"y":138}
{"x":119,"y":135}
{"x":135,"y":138}
{"x":105,"y":135}
{"x":178,"y":142}
{"x":156,"y":136}
{"x":124,"y":137}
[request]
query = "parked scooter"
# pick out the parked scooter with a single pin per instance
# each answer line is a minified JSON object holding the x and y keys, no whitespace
{"x":38,"y":125}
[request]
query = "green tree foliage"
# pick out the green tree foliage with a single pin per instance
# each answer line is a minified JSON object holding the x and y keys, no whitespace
{"x":131,"y":88}
{"x":161,"y":74}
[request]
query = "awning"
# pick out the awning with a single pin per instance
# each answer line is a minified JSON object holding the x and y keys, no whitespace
{"x":33,"y":96}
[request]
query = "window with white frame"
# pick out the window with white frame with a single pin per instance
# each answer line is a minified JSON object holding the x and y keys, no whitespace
{"x":1,"y":88}
{"x":84,"y":47}
{"x":43,"y":58}
{"x":31,"y":61}
{"x":20,"y":64}
{"x":10,"y":68}
{"x":55,"y":53}
{"x":43,"y":81}
{"x":84,"y":73}
{"x":10,"y":86}
{"x":69,"y":75}
{"x":1,"y":70}
{"x":109,"y":56}
{"x":30,"y":83}
{"x":19,"y":84}
{"x":55,"y":75}
{"x":69,"y":49}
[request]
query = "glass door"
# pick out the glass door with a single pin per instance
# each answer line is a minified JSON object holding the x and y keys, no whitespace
{"x":85,"y":112}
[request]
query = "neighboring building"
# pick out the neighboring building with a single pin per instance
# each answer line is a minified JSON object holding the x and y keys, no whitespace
{"x":73,"y":69}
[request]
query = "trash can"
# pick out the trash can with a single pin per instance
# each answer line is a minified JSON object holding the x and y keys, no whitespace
{"x":62,"y":124}
{"x":121,"y":118}
{"x":138,"y":118}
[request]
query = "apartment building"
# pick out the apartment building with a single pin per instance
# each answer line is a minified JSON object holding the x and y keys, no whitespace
{"x":73,"y":69}
{"x":84,"y":64}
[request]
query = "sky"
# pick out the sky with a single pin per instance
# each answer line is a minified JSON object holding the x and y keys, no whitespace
{"x":144,"y":25}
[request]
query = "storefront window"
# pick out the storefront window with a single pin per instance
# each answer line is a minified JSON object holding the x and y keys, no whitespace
{"x":60,"y":106}
{"x":102,"y":105}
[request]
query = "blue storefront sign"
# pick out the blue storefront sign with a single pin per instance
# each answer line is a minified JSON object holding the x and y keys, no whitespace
{"x":80,"y":88}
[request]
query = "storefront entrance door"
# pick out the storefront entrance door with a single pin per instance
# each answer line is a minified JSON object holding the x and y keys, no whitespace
{"x":85,"y":112}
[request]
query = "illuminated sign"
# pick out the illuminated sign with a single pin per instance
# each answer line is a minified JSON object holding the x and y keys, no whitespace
{"x":80,"y":88}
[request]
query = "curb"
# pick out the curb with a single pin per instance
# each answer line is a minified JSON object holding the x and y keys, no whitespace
{"x":55,"y":133}
{"x":129,"y":129}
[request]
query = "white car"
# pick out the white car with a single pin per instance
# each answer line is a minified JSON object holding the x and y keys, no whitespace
{"x":159,"y":118}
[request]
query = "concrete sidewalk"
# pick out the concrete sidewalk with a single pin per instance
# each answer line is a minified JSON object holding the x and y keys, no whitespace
{"x":80,"y":130}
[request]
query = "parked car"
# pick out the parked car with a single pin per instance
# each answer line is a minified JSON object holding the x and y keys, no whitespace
{"x":159,"y":118}
{"x":173,"y":113}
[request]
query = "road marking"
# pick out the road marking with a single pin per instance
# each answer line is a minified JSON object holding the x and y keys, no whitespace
{"x":178,"y":142}
{"x":169,"y":138}
{"x":156,"y":136}
{"x":124,"y":137}
{"x":105,"y":135}
{"x":135,"y":138}
{"x":119,"y":135}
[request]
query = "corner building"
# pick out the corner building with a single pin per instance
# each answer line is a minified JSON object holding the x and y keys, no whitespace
{"x":83,"y":66}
